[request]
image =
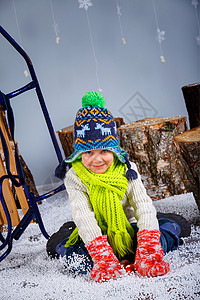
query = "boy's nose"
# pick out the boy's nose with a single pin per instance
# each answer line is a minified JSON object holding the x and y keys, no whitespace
{"x":97,"y":157}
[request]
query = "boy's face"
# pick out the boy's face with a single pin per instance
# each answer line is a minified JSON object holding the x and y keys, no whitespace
{"x":97,"y":161}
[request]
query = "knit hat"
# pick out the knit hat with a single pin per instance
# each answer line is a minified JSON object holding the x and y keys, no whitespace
{"x":95,"y":128}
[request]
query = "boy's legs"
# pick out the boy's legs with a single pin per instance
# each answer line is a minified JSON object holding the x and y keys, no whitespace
{"x":77,"y":258}
{"x":65,"y":230}
{"x":169,"y":239}
{"x":172,"y":228}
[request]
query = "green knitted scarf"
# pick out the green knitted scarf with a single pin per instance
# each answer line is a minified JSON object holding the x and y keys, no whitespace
{"x":105,"y":193}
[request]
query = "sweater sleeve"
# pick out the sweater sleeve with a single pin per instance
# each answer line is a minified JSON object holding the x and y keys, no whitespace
{"x":82,"y":213}
{"x":144,"y":210}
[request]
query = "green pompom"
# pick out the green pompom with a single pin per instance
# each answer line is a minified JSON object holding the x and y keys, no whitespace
{"x":93,"y":98}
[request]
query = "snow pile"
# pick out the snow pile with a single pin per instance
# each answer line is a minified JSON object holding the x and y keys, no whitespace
{"x":27,"y":272}
{"x":184,"y":205}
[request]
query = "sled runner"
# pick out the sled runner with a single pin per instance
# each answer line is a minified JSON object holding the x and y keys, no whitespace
{"x":11,"y":171}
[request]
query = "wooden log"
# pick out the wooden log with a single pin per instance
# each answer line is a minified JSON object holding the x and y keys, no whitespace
{"x":149,"y":144}
{"x":188,"y":145}
{"x":191,"y":95}
{"x":66,"y":139}
{"x":66,"y":136}
{"x":119,"y":122}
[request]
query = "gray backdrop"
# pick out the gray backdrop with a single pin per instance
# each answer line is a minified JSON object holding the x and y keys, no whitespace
{"x":134,"y":81}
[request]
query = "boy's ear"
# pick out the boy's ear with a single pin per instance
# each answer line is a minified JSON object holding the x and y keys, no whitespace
{"x":79,"y":157}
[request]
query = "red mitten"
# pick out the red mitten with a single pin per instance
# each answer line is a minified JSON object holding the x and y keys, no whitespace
{"x":149,"y":254}
{"x":106,"y":265}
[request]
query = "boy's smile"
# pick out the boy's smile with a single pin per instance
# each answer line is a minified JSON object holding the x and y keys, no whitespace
{"x":98,"y":160}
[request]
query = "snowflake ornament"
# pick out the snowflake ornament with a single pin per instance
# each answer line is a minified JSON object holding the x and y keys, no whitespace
{"x":84,"y":4}
{"x":160,"y":35}
{"x":119,"y":10}
{"x":195,"y":3}
{"x":120,"y":23}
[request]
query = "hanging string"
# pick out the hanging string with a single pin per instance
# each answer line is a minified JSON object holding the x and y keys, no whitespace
{"x":196,"y":3}
{"x":55,"y":25}
{"x":19,"y":33}
{"x":160,"y":35}
{"x":85,"y":4}
{"x":94,"y":54}
{"x":120,"y":23}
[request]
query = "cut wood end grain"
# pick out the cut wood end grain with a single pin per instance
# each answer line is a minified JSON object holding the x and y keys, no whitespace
{"x":191,"y":85}
{"x":153,"y":122}
{"x":189,"y":136}
{"x":66,"y":129}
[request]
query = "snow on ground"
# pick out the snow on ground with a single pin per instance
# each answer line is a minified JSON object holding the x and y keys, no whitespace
{"x":28,"y":273}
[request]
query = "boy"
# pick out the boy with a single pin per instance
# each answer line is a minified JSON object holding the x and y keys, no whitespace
{"x":106,"y":194}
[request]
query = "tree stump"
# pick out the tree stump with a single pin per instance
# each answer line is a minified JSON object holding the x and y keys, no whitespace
{"x":149,"y":144}
{"x":188,"y":145}
{"x":66,"y":139}
{"x":66,"y":136}
{"x":191,"y":95}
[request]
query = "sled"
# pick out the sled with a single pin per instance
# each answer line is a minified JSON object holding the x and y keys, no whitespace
{"x":11,"y":171}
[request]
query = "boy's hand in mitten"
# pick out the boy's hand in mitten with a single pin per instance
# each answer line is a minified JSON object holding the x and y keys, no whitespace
{"x":106,"y":265}
{"x":149,"y":254}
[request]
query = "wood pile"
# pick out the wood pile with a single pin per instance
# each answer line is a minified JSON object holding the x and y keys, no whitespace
{"x":149,"y":143}
{"x":167,"y":163}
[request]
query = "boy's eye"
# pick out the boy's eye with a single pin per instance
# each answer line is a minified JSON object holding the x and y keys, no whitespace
{"x":104,"y":151}
{"x":88,"y":152}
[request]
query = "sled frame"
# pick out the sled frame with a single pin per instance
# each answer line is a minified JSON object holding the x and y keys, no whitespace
{"x":12,"y":172}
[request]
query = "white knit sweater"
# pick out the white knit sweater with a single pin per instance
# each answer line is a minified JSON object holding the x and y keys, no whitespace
{"x":136,"y":204}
